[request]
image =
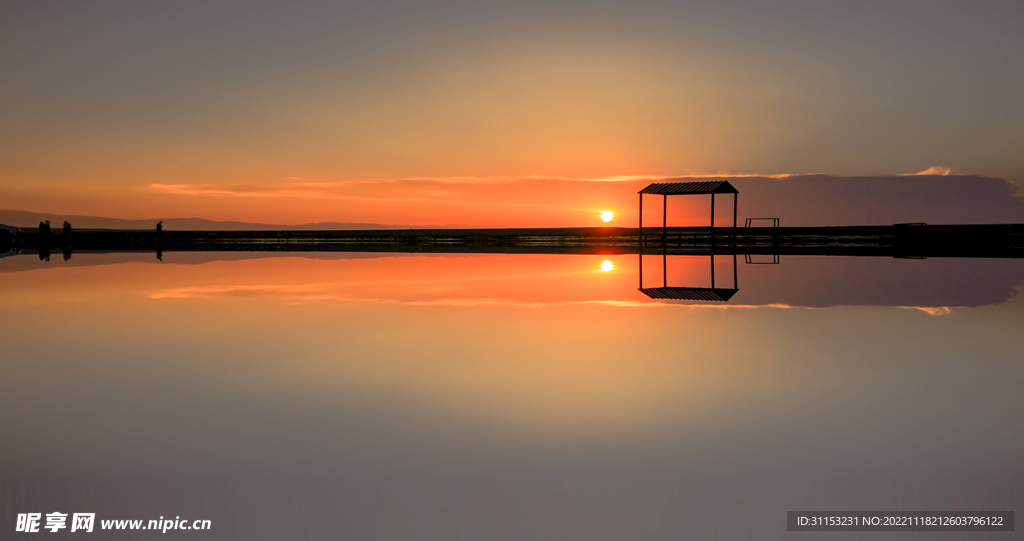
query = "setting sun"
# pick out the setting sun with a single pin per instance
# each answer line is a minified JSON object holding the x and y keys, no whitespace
{"x":607,"y":215}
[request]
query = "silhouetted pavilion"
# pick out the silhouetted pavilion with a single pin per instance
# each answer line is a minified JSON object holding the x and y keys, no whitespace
{"x":708,"y":187}
{"x":665,"y":189}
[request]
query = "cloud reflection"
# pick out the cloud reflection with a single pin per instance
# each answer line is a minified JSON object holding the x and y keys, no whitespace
{"x":933,"y":286}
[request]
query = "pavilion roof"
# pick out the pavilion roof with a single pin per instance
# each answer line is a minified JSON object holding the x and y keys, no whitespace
{"x":690,"y":188}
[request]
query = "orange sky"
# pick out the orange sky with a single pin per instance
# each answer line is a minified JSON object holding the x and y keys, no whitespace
{"x":522,"y":202}
{"x":305,"y":115}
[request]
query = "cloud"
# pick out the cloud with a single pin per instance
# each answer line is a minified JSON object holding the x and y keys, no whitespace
{"x":880,"y":200}
{"x":409,"y":200}
{"x":931,"y":310}
{"x":933,"y":170}
{"x":211,"y":190}
{"x":333,"y":189}
{"x":301,"y":294}
{"x":538,"y":201}
{"x":308,"y":189}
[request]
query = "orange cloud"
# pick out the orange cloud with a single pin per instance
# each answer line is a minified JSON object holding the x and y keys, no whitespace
{"x":529,"y":201}
{"x":521,"y":280}
{"x":931,"y":310}
{"x":299,"y":294}
{"x":337,"y":188}
{"x":933,"y":170}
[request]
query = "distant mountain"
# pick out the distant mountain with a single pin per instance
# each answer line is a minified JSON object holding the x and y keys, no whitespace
{"x":23,"y":218}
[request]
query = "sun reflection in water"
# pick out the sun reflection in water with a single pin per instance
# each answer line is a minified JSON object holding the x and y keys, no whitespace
{"x":606,"y":266}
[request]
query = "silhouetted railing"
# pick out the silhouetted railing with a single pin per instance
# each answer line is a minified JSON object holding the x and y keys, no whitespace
{"x":903,"y":240}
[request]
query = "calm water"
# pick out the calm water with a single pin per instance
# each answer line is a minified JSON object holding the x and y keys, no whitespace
{"x":507,"y":396}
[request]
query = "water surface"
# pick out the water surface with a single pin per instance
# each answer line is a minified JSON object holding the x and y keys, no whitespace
{"x":507,"y":396}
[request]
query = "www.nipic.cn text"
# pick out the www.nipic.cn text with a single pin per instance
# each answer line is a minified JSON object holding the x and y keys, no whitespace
{"x":86,"y":522}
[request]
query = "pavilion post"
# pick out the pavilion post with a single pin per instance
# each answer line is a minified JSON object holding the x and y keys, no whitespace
{"x":640,"y":267}
{"x":641,"y":219}
{"x":664,"y":219}
{"x":712,"y":240}
{"x":735,"y":281}
{"x":735,"y":207}
{"x":712,"y":211}
{"x":712,"y":269}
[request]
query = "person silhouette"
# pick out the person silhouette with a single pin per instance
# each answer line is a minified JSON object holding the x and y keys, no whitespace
{"x":159,"y":240}
{"x":44,"y":240}
{"x":65,"y":240}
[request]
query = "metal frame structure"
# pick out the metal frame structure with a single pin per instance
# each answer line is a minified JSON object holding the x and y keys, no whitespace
{"x":709,"y":187}
{"x":715,"y":294}
{"x":665,"y":189}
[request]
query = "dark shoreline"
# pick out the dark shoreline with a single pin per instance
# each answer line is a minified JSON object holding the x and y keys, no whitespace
{"x":900,"y":240}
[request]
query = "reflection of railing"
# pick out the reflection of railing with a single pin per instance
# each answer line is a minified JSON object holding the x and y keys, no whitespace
{"x":749,"y":221}
{"x":749,"y":260}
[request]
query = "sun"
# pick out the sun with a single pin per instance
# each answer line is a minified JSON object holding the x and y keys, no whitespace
{"x":607,"y":215}
{"x":606,"y":266}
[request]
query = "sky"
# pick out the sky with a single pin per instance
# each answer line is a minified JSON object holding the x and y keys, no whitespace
{"x":252,"y":111}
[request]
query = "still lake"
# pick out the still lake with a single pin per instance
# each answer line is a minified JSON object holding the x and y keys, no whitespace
{"x":390,"y":396}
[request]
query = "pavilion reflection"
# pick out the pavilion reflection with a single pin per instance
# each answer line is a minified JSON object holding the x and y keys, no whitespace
{"x":666,"y":292}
